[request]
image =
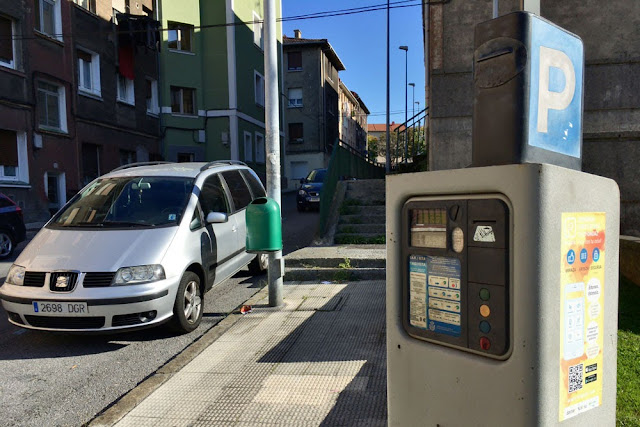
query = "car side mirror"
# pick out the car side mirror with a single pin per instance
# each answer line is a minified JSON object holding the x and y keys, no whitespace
{"x":216,"y":217}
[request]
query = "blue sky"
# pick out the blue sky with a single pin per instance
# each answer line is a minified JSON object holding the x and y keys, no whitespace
{"x":360,"y":42}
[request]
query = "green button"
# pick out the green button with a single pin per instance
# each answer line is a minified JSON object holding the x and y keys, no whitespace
{"x":485,"y":294}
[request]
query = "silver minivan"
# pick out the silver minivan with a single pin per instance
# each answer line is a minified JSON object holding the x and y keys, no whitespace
{"x":136,"y":247}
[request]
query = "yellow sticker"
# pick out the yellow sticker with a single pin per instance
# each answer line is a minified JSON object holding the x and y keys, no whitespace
{"x":581,"y":312}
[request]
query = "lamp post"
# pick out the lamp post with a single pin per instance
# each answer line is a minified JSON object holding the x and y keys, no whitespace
{"x":406,"y":71}
{"x":413,"y":99}
{"x":387,"y":165}
{"x":413,"y":115}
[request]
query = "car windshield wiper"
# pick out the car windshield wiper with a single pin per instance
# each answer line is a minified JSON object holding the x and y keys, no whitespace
{"x":79,"y":224}
{"x":127,"y":224}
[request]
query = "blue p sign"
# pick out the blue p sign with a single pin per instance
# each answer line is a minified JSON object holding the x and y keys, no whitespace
{"x":555,"y":94}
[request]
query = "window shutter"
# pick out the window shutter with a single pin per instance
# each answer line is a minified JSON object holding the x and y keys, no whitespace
{"x":8,"y":148}
{"x":295,"y":60}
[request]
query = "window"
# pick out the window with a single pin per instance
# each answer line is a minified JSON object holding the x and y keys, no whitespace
{"x":258,"y":31}
{"x":295,"y":97}
{"x":90,"y":5}
{"x":52,"y":112}
{"x":127,"y":157}
{"x":260,"y":148}
{"x":47,"y":18}
{"x":13,"y":156}
{"x":186,"y":157}
{"x":180,"y":36}
{"x":248,"y":147}
{"x":212,"y":196}
{"x":183,"y":100}
{"x":152,"y":96}
{"x":295,"y":133}
{"x":89,"y":72}
{"x":294,"y":61}
{"x":238,"y":188}
{"x":90,"y":162}
{"x":259,"y":88}
{"x":8,"y":44}
{"x":254,"y":183}
{"x":126,"y":90}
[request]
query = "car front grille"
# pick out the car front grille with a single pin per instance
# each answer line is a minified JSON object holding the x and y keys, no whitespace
{"x":34,"y":279}
{"x":97,"y":280}
{"x":63,"y":281}
{"x":65,"y":322}
{"x":314,"y":193}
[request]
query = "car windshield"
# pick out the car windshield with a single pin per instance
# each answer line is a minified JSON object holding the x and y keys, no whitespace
{"x":316,"y":175}
{"x":129,"y":202}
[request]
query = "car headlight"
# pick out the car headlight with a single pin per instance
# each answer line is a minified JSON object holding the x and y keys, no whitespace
{"x":139,"y":274}
{"x":15,"y":275}
{"x":302,"y":192}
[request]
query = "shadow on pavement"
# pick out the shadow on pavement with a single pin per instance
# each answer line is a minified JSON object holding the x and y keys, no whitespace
{"x":350,"y":326}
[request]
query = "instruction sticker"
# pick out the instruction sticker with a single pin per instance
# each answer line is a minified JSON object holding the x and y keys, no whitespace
{"x":581,"y":312}
{"x":434,"y":301}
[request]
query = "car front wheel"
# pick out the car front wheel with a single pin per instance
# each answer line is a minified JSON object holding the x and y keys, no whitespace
{"x":187,"y":309}
{"x":6,"y":244}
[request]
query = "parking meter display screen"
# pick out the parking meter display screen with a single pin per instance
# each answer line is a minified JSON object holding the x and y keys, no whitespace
{"x":428,"y":228}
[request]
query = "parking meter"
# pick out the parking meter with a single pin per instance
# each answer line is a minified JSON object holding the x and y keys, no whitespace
{"x":502,"y":280}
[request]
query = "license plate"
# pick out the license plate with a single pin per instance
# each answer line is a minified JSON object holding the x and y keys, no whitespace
{"x":53,"y":308}
{"x":314,"y":199}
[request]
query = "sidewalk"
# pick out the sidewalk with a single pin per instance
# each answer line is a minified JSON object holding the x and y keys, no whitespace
{"x":320,"y":359}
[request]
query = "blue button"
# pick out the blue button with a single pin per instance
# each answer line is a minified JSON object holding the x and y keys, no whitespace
{"x":571,"y":257}
{"x":485,"y":327}
{"x":596,"y":254}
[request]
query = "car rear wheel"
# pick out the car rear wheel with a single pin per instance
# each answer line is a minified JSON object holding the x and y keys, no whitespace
{"x":259,"y":264}
{"x":187,"y":309}
{"x":6,"y":244}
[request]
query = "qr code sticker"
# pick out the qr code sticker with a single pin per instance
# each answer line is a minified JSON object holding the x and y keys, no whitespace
{"x":575,"y":378}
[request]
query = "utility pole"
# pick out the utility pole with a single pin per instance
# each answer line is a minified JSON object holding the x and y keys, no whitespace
{"x":406,"y":75}
{"x":388,"y":161}
{"x":272,"y":117}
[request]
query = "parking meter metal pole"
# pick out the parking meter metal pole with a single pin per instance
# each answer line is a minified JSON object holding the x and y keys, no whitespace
{"x":276,"y":263}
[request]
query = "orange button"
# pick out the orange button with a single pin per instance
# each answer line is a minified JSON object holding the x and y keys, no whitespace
{"x":485,"y":311}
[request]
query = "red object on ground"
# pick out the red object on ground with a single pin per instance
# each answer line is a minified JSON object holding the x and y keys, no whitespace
{"x":246,"y":309}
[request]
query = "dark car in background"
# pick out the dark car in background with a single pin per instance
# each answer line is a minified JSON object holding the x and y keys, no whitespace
{"x":12,"y":230}
{"x":310,"y":189}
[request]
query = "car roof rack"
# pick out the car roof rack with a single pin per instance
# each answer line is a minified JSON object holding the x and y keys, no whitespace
{"x":133,"y":165}
{"x":220,"y":163}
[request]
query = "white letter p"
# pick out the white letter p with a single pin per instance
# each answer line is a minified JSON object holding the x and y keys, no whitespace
{"x":549,"y":100}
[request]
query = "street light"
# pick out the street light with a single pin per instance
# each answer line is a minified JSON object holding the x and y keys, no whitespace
{"x":406,"y":71}
{"x":413,"y":117}
{"x":413,"y":99}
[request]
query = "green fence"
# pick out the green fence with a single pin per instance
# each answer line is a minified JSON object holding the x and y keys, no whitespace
{"x":346,"y":163}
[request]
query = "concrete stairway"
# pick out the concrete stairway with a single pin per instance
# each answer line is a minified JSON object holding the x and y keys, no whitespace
{"x":336,"y":263}
{"x":362,"y":213}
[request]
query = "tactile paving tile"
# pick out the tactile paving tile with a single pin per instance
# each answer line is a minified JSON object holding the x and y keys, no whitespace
{"x":133,"y":421}
{"x":287,"y":367}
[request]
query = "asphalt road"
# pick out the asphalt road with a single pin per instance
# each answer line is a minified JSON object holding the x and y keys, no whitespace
{"x":60,"y":379}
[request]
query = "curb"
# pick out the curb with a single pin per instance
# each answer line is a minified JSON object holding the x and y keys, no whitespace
{"x":127,"y":402}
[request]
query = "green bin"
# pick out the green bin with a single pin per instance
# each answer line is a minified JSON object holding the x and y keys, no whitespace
{"x":264,"y":226}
